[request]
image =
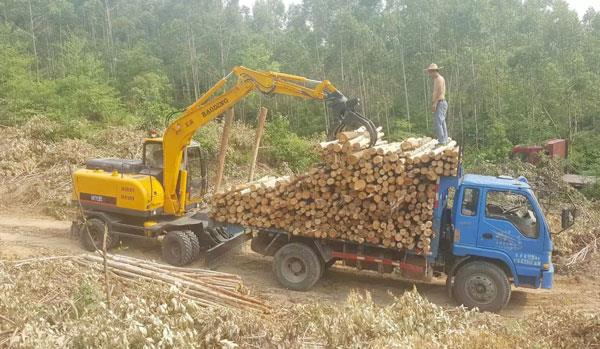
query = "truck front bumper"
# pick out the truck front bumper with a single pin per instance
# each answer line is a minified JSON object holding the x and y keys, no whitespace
{"x":548,"y":278}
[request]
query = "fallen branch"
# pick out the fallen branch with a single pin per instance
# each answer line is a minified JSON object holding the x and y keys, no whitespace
{"x":213,"y":291}
{"x":22,"y":262}
{"x":582,"y":254}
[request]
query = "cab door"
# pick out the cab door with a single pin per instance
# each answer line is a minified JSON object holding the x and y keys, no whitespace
{"x":509,"y":223}
{"x":197,"y":174}
{"x":466,"y":220}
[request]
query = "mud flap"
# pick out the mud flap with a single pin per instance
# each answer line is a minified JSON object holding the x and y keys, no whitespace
{"x":548,"y":278}
{"x":229,"y":238}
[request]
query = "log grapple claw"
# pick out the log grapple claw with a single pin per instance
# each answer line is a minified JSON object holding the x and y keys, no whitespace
{"x":345,"y":111}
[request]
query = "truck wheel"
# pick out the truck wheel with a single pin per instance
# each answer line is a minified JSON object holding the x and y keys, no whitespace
{"x":195,"y":244}
{"x":297,"y":266}
{"x":91,"y":235}
{"x":483,"y":285}
{"x":177,"y":248}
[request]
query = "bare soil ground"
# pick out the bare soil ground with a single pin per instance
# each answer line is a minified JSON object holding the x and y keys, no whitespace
{"x":25,"y":235}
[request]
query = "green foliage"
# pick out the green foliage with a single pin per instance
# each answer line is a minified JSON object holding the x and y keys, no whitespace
{"x":239,"y":150}
{"x":584,"y":153}
{"x":18,"y":89}
{"x":209,"y":137}
{"x":592,"y":191}
{"x":258,"y":56}
{"x":149,"y":97}
{"x":400,"y":129}
{"x":285,"y":148}
{"x":498,"y":145}
{"x":83,"y":91}
{"x":89,"y":294}
{"x":519,"y":73}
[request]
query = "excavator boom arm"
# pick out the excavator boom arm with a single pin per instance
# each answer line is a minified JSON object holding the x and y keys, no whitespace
{"x":179,"y":133}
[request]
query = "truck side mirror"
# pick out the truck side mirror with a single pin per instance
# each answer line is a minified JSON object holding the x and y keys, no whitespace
{"x":567,"y":218}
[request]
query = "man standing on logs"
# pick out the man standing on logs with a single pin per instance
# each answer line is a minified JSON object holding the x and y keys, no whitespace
{"x":439,"y":105}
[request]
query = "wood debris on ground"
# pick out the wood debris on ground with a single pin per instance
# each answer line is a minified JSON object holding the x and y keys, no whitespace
{"x":382,"y":195}
{"x":205,"y":287}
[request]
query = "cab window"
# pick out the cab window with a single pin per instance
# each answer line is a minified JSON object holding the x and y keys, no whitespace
{"x":515,"y":208}
{"x":197,"y":176}
{"x":153,"y":155}
{"x":470,"y":202}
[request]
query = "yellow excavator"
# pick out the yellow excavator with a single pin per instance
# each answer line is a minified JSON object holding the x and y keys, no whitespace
{"x":160,"y":196}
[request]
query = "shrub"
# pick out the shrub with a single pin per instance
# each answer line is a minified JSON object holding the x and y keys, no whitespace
{"x":283,"y":147}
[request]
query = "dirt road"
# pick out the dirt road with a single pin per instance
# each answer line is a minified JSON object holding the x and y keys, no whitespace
{"x":25,"y":237}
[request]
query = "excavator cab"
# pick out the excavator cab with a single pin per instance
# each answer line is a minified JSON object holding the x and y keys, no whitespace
{"x":194,"y":162}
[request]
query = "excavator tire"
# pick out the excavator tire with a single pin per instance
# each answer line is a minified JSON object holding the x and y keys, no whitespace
{"x":195,"y":244}
{"x":177,"y":249}
{"x":91,"y":235}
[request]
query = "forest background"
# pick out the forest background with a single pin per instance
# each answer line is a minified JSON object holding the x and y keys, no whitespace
{"x":517,"y":72}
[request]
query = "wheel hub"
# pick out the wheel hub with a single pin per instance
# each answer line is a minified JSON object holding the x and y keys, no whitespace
{"x":295,"y":269}
{"x":175,"y":250}
{"x":96,"y":236}
{"x":481,"y":288}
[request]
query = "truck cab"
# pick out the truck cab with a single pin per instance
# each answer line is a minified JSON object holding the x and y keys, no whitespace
{"x":497,"y":228}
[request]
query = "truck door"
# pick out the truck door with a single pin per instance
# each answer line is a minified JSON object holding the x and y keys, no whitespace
{"x":510,"y":224}
{"x":466,"y":220}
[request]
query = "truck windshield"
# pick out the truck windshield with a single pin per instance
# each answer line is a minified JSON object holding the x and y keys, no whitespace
{"x":515,"y":208}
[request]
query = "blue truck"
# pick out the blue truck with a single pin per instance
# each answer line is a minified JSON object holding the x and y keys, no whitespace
{"x":489,"y":232}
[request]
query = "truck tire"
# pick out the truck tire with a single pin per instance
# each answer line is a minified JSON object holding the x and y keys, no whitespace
{"x":483,"y":285}
{"x":195,"y":244}
{"x":91,"y":235}
{"x":177,"y":248}
{"x":297,"y":266}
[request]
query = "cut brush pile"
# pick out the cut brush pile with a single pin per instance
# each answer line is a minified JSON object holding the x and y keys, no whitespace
{"x":35,"y":170}
{"x":382,"y":195}
{"x":59,"y":303}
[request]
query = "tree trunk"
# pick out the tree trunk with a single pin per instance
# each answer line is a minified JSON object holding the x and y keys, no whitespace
{"x":405,"y":89}
{"x":34,"y":45}
{"x":223,"y":150}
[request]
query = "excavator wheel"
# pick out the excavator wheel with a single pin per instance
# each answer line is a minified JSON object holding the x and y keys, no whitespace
{"x":177,"y":248}
{"x":91,"y":235}
{"x":195,"y":244}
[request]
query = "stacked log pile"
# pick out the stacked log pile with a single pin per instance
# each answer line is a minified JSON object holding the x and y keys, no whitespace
{"x":382,"y":195}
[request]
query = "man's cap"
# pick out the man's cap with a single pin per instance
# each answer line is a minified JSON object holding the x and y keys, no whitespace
{"x":433,"y":66}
